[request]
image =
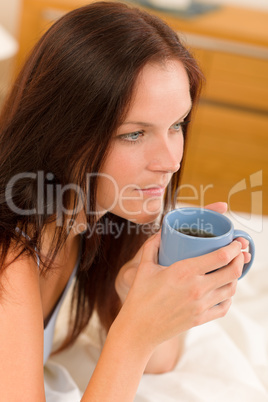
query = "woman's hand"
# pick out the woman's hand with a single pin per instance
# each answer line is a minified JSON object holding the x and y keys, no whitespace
{"x":221,"y":207}
{"x":128,"y":272}
{"x":126,"y":276}
{"x":166,"y":301}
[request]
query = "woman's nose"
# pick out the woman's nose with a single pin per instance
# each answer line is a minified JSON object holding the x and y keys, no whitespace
{"x":166,"y":156}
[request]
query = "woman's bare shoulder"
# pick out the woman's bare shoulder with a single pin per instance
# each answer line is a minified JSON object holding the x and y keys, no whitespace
{"x":18,"y":275}
{"x":21,"y":335}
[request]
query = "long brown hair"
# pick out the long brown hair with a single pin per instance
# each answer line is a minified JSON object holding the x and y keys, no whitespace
{"x":69,"y":98}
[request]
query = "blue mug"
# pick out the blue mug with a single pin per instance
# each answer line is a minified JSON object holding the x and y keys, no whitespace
{"x":191,"y":241}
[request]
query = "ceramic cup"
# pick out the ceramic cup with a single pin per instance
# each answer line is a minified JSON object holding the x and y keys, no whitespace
{"x":176,"y":246}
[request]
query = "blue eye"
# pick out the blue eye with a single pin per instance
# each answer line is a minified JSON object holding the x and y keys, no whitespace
{"x":132,"y":137}
{"x":178,"y":126}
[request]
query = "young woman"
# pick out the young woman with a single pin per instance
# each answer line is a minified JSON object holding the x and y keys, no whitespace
{"x":91,"y":143}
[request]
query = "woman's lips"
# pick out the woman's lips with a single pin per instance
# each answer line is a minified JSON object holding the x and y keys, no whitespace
{"x":153,"y":191}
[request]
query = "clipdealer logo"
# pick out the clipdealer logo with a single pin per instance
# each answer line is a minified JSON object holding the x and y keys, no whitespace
{"x":253,"y":220}
{"x":55,"y":194}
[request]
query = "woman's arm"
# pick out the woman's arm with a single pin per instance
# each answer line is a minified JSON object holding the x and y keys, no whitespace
{"x":21,"y":333}
{"x":120,"y":366}
{"x":162,"y":303}
{"x":167,"y":354}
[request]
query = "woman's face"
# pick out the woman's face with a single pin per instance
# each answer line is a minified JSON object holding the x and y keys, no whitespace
{"x":147,"y":148}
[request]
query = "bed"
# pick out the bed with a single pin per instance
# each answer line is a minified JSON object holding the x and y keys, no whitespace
{"x":224,"y":360}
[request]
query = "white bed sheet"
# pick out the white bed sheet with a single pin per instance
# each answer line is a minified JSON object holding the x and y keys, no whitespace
{"x":224,"y":360}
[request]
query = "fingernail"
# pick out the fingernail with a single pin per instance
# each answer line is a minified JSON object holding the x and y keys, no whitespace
{"x":240,"y":244}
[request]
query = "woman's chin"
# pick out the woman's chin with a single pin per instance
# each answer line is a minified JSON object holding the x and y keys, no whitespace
{"x":140,"y":213}
{"x":142,"y":220}
{"x":144,"y":217}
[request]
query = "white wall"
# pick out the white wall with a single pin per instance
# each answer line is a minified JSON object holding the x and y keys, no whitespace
{"x":9,"y":18}
{"x":257,"y":4}
{"x":10,"y":14}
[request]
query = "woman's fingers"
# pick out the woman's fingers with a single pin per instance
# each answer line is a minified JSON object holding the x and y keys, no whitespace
{"x":190,"y":292}
{"x":220,"y":207}
{"x":150,"y":249}
{"x":243,"y":241}
{"x":227,"y":273}
{"x":217,"y":289}
{"x":247,"y":257}
{"x":245,"y":244}
{"x":124,"y":281}
{"x":217,"y":311}
{"x":217,"y":259}
{"x":127,"y":274}
{"x":221,"y":294}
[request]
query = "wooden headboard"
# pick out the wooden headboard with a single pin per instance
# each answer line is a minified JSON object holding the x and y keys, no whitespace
{"x":227,"y":148}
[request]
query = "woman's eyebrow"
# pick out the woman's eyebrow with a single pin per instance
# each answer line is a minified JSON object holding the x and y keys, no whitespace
{"x":139,"y":123}
{"x":147,"y":124}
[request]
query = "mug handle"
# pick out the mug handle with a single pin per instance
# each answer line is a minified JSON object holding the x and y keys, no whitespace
{"x":241,"y":233}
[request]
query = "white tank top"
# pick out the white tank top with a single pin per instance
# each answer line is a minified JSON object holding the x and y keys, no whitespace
{"x":50,"y":327}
